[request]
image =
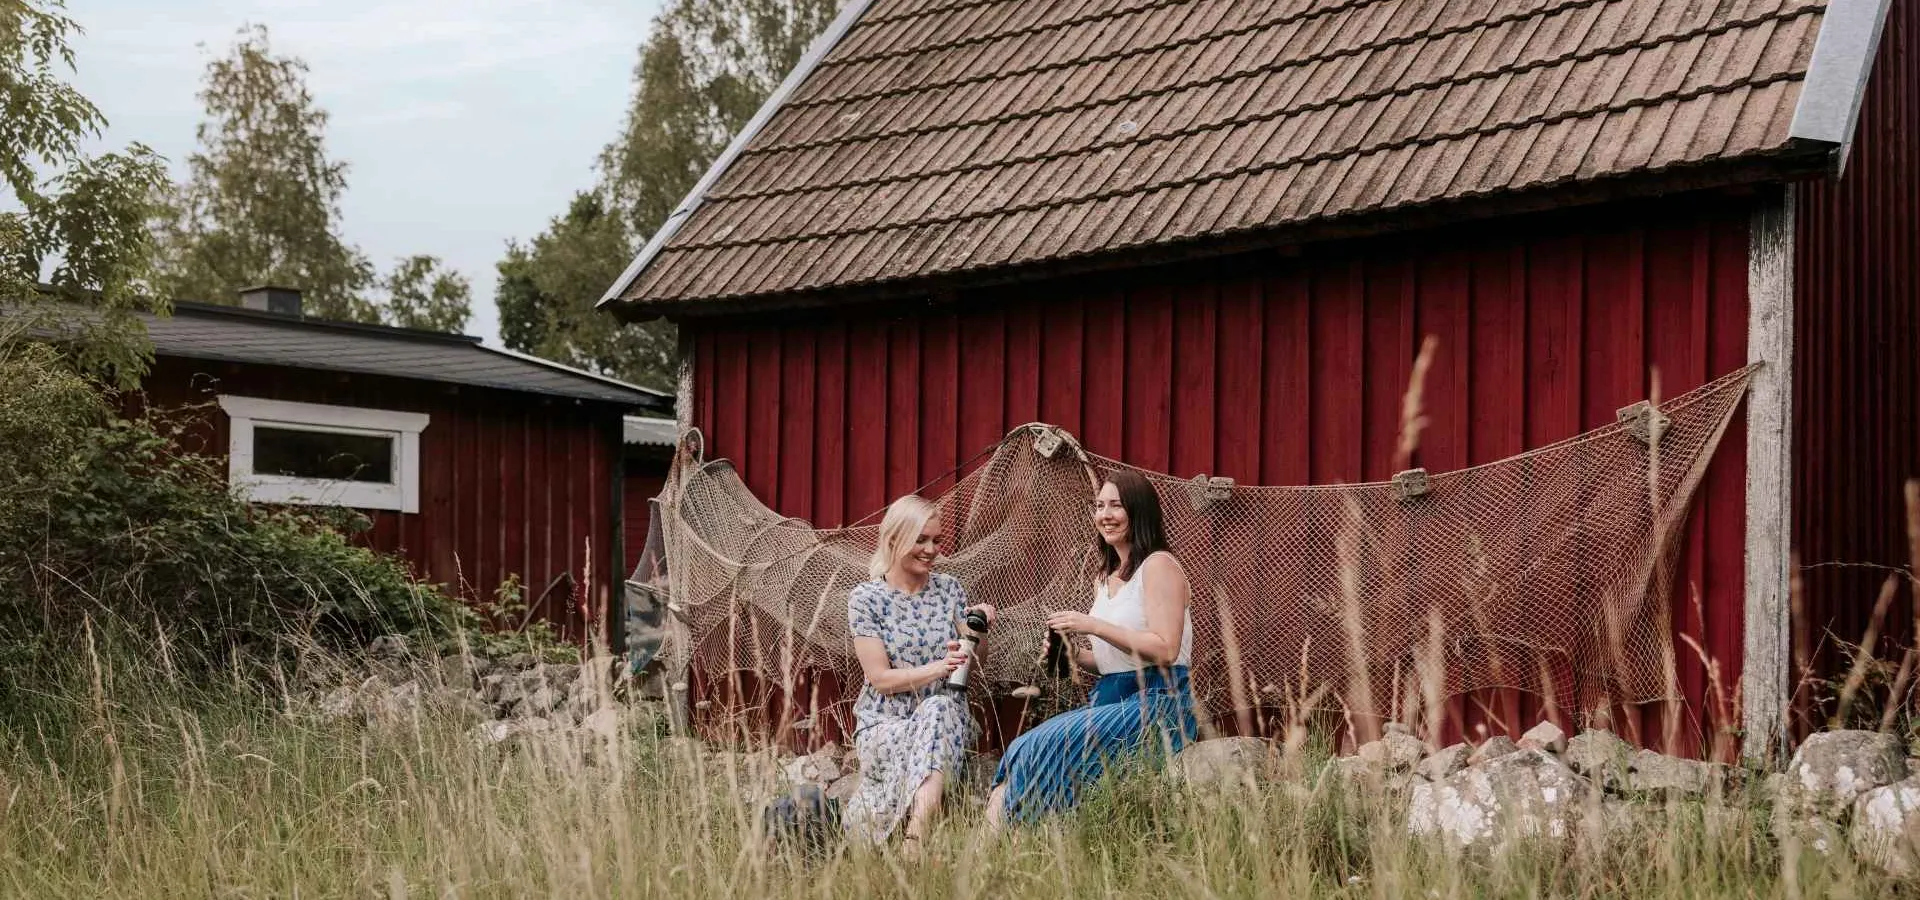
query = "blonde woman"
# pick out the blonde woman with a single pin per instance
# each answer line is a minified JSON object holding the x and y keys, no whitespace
{"x":909,"y":731}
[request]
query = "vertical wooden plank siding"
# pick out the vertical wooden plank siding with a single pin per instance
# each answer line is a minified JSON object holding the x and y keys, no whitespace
{"x":1290,"y":369}
{"x":511,"y":484}
{"x":1856,"y":360}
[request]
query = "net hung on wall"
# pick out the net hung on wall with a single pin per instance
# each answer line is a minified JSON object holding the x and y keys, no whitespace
{"x":1554,"y":566}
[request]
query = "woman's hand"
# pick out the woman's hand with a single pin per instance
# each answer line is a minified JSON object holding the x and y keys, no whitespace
{"x":1070,"y":622}
{"x":956,"y":657}
{"x":985,"y":609}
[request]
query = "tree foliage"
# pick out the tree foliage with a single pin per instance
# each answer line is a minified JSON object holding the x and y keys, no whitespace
{"x":78,"y":239}
{"x":703,"y":71}
{"x":422,"y":294}
{"x":261,"y":205}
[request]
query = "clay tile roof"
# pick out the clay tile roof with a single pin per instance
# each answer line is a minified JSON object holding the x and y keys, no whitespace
{"x":929,"y":139}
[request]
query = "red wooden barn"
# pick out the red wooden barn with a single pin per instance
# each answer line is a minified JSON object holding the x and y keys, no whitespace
{"x":1209,"y":236}
{"x":475,"y":464}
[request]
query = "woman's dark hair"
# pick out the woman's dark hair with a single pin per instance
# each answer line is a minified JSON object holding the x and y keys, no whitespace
{"x":1146,"y":527}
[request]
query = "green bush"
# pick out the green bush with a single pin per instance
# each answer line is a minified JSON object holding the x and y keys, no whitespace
{"x":104,"y":519}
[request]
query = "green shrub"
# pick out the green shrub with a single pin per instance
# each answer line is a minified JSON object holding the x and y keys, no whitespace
{"x":104,"y":519}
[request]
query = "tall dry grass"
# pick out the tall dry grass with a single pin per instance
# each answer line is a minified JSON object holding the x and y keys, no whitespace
{"x":137,"y":783}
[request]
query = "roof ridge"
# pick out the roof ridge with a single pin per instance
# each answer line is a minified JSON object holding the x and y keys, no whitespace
{"x":1809,"y":7}
{"x":1207,"y":37}
{"x":304,"y":321}
{"x":926,"y":11}
{"x":1302,"y":162}
{"x":1805,"y":7}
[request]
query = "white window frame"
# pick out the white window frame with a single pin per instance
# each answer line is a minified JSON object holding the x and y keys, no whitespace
{"x":401,"y":495}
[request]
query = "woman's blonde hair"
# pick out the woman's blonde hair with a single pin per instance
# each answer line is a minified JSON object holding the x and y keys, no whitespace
{"x":899,"y":529}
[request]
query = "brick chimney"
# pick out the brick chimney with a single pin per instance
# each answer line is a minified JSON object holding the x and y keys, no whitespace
{"x":266,"y":298}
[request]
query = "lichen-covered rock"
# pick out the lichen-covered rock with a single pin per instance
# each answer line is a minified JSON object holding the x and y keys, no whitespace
{"x":1827,"y":774}
{"x":1493,"y":748}
{"x":388,"y":647}
{"x":1221,"y":762}
{"x":843,"y":788}
{"x":814,"y":768}
{"x":1520,"y":796}
{"x":1886,"y":827}
{"x":1443,"y":763}
{"x":1650,"y":771}
{"x":1394,"y":753}
{"x":338,"y":704}
{"x":1544,"y":736}
{"x":1600,"y":755}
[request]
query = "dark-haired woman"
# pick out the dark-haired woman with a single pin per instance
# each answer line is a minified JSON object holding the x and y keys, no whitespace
{"x":1141,"y":641}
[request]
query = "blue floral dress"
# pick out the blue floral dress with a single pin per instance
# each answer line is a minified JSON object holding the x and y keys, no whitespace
{"x":902,"y":738}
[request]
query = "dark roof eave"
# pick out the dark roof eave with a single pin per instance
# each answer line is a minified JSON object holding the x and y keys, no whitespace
{"x":646,"y":400}
{"x":1800,"y":159}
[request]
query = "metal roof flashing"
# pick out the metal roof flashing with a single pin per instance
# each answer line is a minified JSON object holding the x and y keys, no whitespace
{"x":1837,"y":76}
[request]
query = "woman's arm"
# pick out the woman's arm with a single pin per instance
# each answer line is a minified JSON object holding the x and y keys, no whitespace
{"x":879,"y":670}
{"x":1164,"y":595}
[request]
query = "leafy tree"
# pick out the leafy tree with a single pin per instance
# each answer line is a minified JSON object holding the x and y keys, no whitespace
{"x":261,"y":205}
{"x":262,"y":201}
{"x":548,"y":289}
{"x":78,"y":235}
{"x":704,"y":70}
{"x":422,"y":295}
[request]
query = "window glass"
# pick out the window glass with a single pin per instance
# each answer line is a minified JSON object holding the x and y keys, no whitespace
{"x":332,"y":455}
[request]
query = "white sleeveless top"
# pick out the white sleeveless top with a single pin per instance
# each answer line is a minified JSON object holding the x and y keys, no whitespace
{"x":1127,"y":609}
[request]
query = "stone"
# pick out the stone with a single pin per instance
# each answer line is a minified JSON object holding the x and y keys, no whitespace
{"x":1493,"y":748}
{"x":1544,"y":736}
{"x":1827,"y":774}
{"x":603,"y":722}
{"x":338,"y":704}
{"x":1443,"y":763}
{"x":1600,"y":755}
{"x":1395,"y":753}
{"x":1525,"y":795}
{"x":398,"y":704}
{"x":502,"y":691}
{"x":1220,"y":762}
{"x":540,"y":702}
{"x":1886,"y":827}
{"x":388,"y":647}
{"x":843,"y":788}
{"x":560,"y":675}
{"x":516,"y":662}
{"x":1650,"y":771}
{"x":814,"y":768}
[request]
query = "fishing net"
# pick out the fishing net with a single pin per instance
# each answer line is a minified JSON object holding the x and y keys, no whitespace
{"x":1547,"y":570}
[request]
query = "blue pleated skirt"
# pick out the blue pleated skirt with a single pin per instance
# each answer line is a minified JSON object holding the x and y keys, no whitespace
{"x":1047,"y":769}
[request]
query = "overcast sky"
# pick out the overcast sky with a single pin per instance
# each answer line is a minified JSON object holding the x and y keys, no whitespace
{"x":464,"y":122}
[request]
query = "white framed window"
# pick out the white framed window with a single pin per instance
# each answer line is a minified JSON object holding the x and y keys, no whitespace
{"x":279,"y":451}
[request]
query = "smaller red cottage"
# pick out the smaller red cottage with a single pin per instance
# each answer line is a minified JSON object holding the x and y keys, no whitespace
{"x":477,"y":465}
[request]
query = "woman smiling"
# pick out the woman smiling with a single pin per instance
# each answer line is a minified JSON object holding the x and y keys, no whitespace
{"x":909,"y":731}
{"x":1141,"y":642}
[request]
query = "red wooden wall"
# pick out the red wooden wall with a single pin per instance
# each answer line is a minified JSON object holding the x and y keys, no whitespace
{"x":1856,"y":369}
{"x":1273,"y":370}
{"x":510,"y":483}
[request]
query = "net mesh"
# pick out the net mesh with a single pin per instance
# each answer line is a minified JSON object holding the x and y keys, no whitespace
{"x":1547,"y":570}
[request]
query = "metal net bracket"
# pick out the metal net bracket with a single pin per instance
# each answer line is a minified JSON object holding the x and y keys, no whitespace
{"x":1047,"y":442}
{"x":1208,"y":491}
{"x":1644,"y":421}
{"x":1412,"y":484}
